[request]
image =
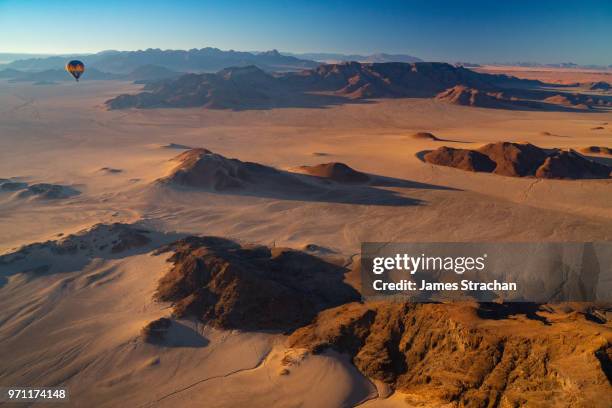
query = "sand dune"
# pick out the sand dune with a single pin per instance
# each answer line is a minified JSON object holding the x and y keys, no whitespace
{"x":202,"y":168}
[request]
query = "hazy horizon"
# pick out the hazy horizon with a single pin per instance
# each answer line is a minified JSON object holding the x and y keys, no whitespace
{"x":26,"y":55}
{"x":542,"y":32}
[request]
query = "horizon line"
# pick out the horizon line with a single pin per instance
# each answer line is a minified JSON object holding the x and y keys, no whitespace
{"x":296,"y":53}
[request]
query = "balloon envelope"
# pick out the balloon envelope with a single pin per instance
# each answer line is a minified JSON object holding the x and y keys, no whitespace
{"x":75,"y":68}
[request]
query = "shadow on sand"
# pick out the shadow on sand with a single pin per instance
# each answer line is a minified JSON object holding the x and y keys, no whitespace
{"x":180,"y":334}
{"x":284,"y":185}
{"x":501,"y":311}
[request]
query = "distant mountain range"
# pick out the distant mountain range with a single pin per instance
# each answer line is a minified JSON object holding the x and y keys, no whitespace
{"x":142,"y":74}
{"x":149,"y":65}
{"x":154,"y":64}
{"x":352,"y":82}
{"x":213,"y":59}
{"x":194,"y":60}
{"x":336,"y":57}
{"x":7,"y":57}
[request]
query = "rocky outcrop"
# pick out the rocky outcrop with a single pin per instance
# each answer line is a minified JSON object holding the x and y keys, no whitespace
{"x":514,"y":159}
{"x":462,"y":95}
{"x":571,"y":165}
{"x":98,"y":239}
{"x":463,"y":159}
{"x":441,"y":354}
{"x":250,"y":287}
{"x":578,"y":101}
{"x":230,"y":88}
{"x":520,"y":160}
{"x":41,"y":191}
{"x":600,"y":86}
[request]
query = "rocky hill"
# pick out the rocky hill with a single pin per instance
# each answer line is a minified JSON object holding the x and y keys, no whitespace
{"x":520,"y":160}
{"x":250,"y":287}
{"x":203,"y":169}
{"x":379,"y":80}
{"x":229,"y":88}
{"x":461,"y":95}
{"x":458,"y":354}
{"x":472,"y":355}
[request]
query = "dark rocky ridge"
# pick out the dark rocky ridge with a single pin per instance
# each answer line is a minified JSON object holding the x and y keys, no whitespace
{"x":389,"y":80}
{"x":250,"y":287}
{"x":461,"y":95}
{"x":441,"y":354}
{"x":459,"y":354}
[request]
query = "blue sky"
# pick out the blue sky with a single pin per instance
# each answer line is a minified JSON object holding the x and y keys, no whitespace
{"x":475,"y":31}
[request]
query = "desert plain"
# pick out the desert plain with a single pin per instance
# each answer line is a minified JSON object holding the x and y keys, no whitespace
{"x":77,"y":319}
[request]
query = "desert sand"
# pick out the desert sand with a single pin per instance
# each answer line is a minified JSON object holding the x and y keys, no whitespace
{"x":551,"y":74}
{"x":76,"y":317}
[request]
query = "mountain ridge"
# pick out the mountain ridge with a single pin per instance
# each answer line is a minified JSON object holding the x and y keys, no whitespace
{"x":252,"y":88}
{"x":207,"y":59}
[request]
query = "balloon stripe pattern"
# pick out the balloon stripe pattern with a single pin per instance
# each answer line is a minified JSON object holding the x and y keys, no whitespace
{"x":75,"y":68}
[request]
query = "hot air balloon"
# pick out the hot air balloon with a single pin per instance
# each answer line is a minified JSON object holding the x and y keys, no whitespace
{"x":75,"y":68}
